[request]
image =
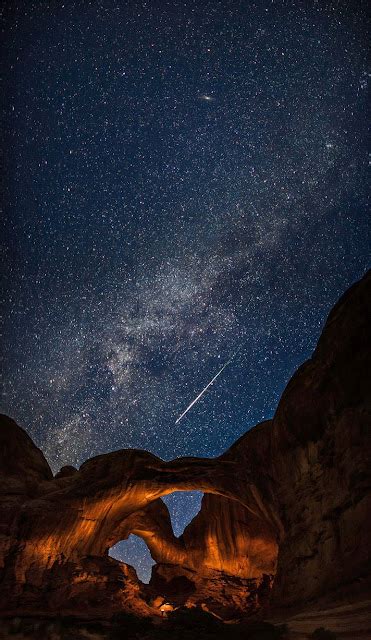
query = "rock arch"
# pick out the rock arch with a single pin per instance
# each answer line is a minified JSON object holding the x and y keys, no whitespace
{"x":86,"y":511}
{"x":71,"y":521}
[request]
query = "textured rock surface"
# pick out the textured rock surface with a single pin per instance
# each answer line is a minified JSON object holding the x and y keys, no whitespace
{"x":298,"y":486}
{"x":216,"y":591}
{"x":321,"y":461}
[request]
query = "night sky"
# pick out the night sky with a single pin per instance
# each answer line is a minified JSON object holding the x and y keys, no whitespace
{"x":183,"y":181}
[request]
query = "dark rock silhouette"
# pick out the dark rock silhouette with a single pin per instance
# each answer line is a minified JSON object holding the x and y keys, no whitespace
{"x":291,"y":498}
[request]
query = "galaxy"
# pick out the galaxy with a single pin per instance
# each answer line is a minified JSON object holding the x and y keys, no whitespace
{"x":185,"y":186}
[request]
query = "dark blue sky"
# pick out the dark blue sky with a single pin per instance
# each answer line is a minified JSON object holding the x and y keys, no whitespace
{"x":182,"y":180}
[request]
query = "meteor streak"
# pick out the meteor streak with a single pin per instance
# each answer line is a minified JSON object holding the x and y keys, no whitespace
{"x":205,"y":389}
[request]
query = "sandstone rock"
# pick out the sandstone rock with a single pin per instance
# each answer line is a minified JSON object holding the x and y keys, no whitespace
{"x":19,"y":456}
{"x":65,"y":472}
{"x":321,"y":462}
{"x":220,"y":593}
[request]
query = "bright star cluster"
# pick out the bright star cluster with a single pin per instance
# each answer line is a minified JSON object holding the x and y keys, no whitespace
{"x":183,"y":180}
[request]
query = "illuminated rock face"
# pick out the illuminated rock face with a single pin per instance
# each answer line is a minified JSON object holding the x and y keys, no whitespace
{"x":59,"y":530}
{"x":298,"y":486}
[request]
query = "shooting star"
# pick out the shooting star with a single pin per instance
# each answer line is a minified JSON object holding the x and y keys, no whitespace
{"x":205,"y":389}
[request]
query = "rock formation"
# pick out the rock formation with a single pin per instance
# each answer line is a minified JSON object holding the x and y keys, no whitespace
{"x":291,"y":497}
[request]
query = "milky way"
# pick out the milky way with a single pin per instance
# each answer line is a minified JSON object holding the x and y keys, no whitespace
{"x":182,"y":181}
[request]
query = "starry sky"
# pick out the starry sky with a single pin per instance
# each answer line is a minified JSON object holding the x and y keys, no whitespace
{"x":184,"y":181}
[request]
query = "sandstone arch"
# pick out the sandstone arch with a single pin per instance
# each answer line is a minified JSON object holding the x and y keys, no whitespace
{"x":118,"y":493}
{"x":69,"y":522}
